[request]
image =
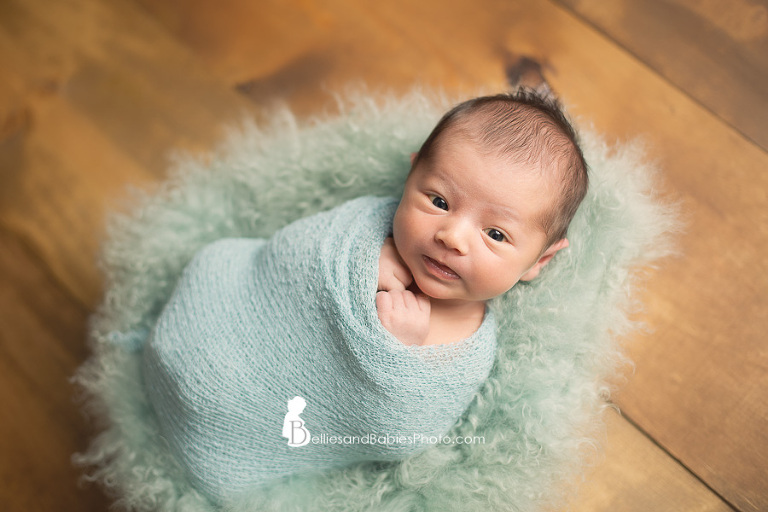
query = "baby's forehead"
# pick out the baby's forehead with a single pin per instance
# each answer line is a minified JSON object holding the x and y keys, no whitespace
{"x":489,"y":139}
{"x":526,"y":161}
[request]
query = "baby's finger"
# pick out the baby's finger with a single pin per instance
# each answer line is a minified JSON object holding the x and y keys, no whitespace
{"x":423,"y":302}
{"x":394,"y":300}
{"x":400,"y":299}
{"x":409,"y":300}
{"x":383,"y":301}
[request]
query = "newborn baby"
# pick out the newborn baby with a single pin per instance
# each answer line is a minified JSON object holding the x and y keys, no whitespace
{"x":487,"y":204}
{"x":362,"y":333}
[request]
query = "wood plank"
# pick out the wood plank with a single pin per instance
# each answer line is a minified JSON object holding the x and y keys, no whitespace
{"x":635,"y":475}
{"x":41,"y":344}
{"x":715,"y":50}
{"x":62,"y":178}
{"x":134,"y":81}
{"x":93,"y":97}
{"x":330,"y":46}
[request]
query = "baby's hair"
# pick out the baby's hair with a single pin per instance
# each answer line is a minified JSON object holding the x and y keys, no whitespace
{"x":529,"y":128}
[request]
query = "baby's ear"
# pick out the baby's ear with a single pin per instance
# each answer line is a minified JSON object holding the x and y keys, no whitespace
{"x":413,"y":157}
{"x":544,"y":259}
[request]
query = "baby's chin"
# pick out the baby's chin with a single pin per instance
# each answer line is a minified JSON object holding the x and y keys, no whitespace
{"x":436,"y":292}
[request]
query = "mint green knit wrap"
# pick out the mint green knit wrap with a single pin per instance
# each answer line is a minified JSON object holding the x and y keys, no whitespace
{"x":254,"y":323}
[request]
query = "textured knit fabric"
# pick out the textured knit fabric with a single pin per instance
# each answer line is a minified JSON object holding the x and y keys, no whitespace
{"x":254,"y":323}
{"x":539,"y":413}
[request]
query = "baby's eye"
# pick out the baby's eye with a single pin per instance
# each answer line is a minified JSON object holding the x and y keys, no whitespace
{"x":438,"y":201}
{"x":495,"y":234}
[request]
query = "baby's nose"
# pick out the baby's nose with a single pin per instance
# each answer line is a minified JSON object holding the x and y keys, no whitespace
{"x":453,"y":237}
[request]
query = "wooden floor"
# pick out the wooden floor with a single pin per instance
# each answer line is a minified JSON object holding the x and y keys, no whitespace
{"x":93,"y":94}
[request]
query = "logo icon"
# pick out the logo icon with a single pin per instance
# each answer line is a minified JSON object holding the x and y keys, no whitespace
{"x":293,"y":425}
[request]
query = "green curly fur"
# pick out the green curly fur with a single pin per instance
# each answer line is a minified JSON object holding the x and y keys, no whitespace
{"x":541,"y":409}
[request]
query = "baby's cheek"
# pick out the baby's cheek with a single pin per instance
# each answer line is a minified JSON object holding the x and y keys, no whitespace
{"x":403,"y":243}
{"x":407,"y":225}
{"x":485,"y":283}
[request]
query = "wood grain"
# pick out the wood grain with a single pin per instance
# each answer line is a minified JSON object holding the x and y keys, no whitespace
{"x":41,"y":344}
{"x":715,"y":50}
{"x":96,"y":97}
{"x":333,"y":44}
{"x":651,"y":481}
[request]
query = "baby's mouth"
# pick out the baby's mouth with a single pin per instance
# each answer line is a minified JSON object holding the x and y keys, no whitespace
{"x":439,"y":270}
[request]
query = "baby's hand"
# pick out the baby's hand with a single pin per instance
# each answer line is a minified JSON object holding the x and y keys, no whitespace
{"x":404,"y":314}
{"x":393,"y":274}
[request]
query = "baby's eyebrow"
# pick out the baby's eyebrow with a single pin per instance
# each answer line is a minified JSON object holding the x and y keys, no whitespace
{"x":505,"y":211}
{"x":444,"y":181}
{"x":507,"y":214}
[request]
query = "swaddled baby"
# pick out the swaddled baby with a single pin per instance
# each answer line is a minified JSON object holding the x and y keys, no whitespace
{"x":362,"y":333}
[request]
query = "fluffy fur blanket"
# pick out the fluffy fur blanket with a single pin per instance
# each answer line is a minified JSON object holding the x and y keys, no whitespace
{"x":254,"y":323}
{"x":539,"y":412}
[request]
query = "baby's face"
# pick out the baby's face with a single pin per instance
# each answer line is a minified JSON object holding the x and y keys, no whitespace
{"x":465,"y":226}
